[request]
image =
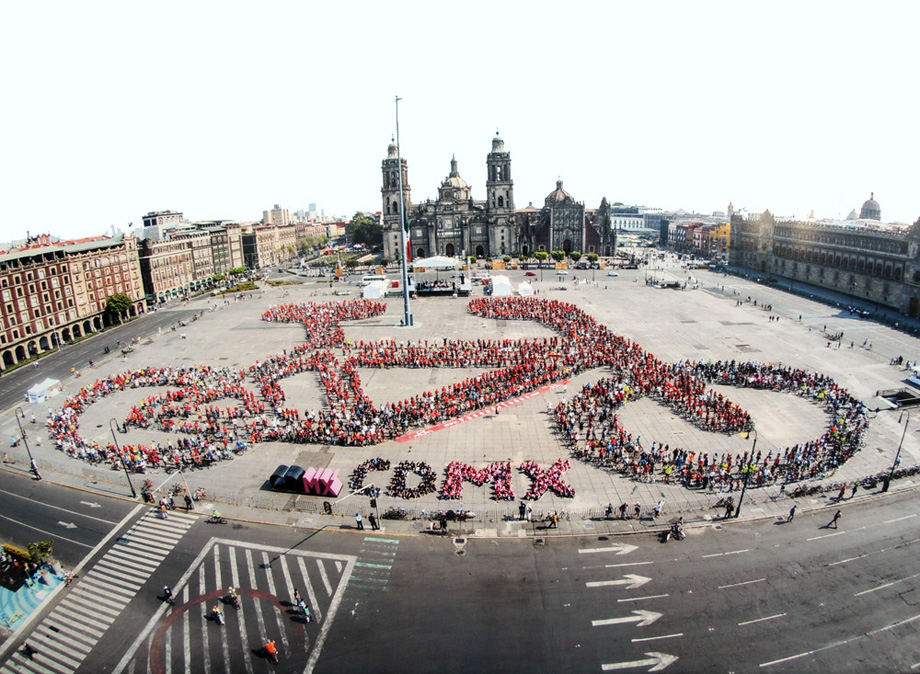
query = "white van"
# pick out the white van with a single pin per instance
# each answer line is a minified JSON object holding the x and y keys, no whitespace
{"x":371,"y":278}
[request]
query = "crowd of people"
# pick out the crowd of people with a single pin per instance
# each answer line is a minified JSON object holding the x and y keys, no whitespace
{"x":399,"y":485}
{"x":590,"y":425}
{"x":209,"y":429}
{"x":541,"y":480}
{"x":499,"y":473}
{"x":360,"y":473}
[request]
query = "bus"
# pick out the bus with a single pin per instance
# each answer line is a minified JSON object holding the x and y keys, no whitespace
{"x":371,"y":278}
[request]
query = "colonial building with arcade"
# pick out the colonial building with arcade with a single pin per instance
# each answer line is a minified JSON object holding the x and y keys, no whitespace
{"x":457,"y":224}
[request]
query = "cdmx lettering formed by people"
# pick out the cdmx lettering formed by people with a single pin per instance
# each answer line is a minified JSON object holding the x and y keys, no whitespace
{"x":207,"y":429}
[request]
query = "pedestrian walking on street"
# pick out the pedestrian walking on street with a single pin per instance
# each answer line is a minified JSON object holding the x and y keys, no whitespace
{"x":522,"y":509}
{"x":834,"y":521}
{"x":623,"y":511}
{"x":791,"y":514}
{"x":658,"y":508}
{"x":359,"y":522}
{"x":188,"y":502}
{"x":553,"y":521}
{"x":843,"y":490}
{"x":608,"y":513}
{"x":855,"y":487}
{"x":373,"y":521}
{"x":638,"y":511}
{"x":168,"y":596}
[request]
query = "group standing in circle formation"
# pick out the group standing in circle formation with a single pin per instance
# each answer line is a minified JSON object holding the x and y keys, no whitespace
{"x":195,"y":403}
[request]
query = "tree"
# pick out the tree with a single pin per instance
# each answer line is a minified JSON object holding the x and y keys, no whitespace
{"x":39,"y":551}
{"x":558,"y":255}
{"x":592,"y":258}
{"x":351,"y":263}
{"x":363,"y":229}
{"x":118,"y":305}
{"x":236,"y":271}
{"x":218,"y":278}
{"x":575,"y":255}
{"x":506,"y":259}
{"x":541,"y":256}
{"x":384,"y":261}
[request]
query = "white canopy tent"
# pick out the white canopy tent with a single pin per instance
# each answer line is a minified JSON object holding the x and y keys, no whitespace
{"x":435,"y":262}
{"x":43,"y":390}
{"x":525,"y":290}
{"x":501,"y":286}
{"x":375,"y":290}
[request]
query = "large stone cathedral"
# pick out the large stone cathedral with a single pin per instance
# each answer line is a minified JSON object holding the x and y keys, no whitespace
{"x":456,"y":224}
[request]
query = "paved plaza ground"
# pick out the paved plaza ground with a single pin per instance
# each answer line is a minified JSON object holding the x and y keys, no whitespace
{"x":698,"y":323}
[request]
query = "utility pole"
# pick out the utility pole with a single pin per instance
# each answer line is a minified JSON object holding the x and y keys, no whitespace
{"x":747,"y":474}
{"x":112,"y":426}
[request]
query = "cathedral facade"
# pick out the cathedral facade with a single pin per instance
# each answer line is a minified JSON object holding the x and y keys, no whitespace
{"x":456,"y":224}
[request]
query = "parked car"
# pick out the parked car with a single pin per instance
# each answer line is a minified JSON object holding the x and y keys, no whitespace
{"x":612,"y":273}
{"x":530,"y":273}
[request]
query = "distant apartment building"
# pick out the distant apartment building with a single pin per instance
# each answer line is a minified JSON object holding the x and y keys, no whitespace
{"x":277,"y":216}
{"x":53,"y":293}
{"x":266,"y":245}
{"x":167,"y":267}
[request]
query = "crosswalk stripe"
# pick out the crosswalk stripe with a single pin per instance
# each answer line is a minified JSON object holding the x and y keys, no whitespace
{"x":102,"y":586}
{"x":139,"y":575}
{"x":24,"y":664}
{"x":141,"y":551}
{"x":127,"y":557}
{"x":78,"y":619}
{"x":93,"y":610}
{"x":82,"y":592}
{"x":112,"y":582}
{"x":80,"y":641}
{"x":72,"y":644}
{"x":52,"y":651}
{"x":152,"y":541}
{"x":318,"y":614}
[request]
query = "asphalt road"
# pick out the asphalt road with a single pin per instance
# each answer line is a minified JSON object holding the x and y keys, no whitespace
{"x":755,"y":596}
{"x":33,"y":511}
{"x":13,"y":385}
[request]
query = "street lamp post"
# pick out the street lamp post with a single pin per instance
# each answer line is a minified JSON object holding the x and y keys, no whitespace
{"x":22,"y":415}
{"x":112,"y":426}
{"x":897,"y":456}
{"x":403,"y":229}
{"x":747,"y":474}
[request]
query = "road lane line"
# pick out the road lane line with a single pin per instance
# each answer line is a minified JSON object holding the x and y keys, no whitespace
{"x":308,"y":586}
{"x":721,"y":554}
{"x":241,"y":615}
{"x":876,"y":552}
{"x":760,"y":620}
{"x":655,"y":596}
{"x":746,"y":582}
{"x":186,"y":633}
{"x":818,"y":538}
{"x":50,"y":533}
{"x":614,"y":566}
{"x":899,"y":519}
{"x":665,"y":636}
{"x":279,"y":620}
{"x":839,"y":643}
{"x":882,"y":587}
{"x":325,"y":578}
{"x":205,"y":648}
{"x":68,"y":510}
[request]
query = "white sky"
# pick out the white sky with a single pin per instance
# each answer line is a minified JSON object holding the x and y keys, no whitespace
{"x":222,"y":109}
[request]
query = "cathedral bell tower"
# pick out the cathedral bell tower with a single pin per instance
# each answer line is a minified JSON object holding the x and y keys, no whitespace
{"x":390,"y":194}
{"x":500,"y":199}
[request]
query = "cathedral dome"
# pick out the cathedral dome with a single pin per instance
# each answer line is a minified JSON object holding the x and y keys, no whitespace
{"x":870,"y":209}
{"x":498,"y":145}
{"x":558,"y":194}
{"x":454,"y":179}
{"x":392,"y":150}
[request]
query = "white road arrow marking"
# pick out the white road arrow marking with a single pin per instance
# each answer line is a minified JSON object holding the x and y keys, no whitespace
{"x":91,"y":504}
{"x":68,"y":525}
{"x":630,"y":580}
{"x":641,"y":618}
{"x":619,"y":548}
{"x":657,"y":661}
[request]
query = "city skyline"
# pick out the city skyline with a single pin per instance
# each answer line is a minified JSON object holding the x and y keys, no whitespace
{"x":122,"y":112}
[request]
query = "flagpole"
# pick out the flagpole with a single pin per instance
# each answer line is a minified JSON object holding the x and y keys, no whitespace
{"x":403,"y":229}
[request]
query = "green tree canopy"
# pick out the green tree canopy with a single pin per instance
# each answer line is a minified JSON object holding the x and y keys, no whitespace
{"x":592,"y":257}
{"x":118,"y":304}
{"x":541,"y":255}
{"x":575,"y":255}
{"x":238,"y":270}
{"x":363,"y":229}
{"x":558,"y":255}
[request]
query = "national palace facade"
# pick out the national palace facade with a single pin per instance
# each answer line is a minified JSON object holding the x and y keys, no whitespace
{"x":860,"y":257}
{"x":456,"y":224}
